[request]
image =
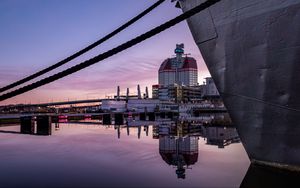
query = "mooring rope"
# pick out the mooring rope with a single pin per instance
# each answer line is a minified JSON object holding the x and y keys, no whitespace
{"x":111,"y":52}
{"x":86,"y":49}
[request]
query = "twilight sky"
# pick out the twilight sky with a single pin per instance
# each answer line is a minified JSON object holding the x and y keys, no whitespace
{"x":35,"y":34}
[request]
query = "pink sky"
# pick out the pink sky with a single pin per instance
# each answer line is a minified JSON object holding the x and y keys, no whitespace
{"x":138,"y":65}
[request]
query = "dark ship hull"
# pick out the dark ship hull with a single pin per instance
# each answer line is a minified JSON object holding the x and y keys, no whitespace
{"x":252,"y":50}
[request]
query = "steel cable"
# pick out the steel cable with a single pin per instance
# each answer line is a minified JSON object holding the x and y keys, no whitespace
{"x":79,"y":53}
{"x":111,"y":52}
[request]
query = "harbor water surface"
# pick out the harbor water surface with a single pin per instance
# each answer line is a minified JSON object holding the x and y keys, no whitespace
{"x":94,"y":155}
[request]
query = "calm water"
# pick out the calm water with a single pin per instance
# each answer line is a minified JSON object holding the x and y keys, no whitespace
{"x":166,"y":154}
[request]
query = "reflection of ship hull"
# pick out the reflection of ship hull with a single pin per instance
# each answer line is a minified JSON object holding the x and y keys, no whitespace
{"x":262,"y":176}
{"x":252,"y":50}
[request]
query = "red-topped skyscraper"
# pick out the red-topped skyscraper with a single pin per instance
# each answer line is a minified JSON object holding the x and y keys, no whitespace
{"x":181,"y":70}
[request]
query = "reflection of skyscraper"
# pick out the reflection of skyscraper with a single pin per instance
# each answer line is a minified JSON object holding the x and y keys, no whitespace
{"x":179,"y":151}
{"x":178,"y":148}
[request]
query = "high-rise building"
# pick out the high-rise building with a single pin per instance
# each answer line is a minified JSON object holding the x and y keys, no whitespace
{"x":181,"y":70}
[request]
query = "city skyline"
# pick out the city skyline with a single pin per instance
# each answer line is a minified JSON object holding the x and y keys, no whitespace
{"x":43,"y":33}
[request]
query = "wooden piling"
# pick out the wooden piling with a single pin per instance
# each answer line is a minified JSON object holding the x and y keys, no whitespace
{"x":106,"y":118}
{"x":27,"y":125}
{"x":119,"y":119}
{"x":43,"y":125}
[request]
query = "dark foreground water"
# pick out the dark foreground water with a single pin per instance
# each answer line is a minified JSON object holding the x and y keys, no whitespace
{"x":91,"y":155}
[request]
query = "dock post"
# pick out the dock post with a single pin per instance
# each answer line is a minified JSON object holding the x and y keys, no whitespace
{"x":106,"y":119}
{"x":143,"y":116}
{"x":151,"y":116}
{"x":139,"y":132}
{"x":170,"y":115}
{"x":43,"y":125}
{"x":146,"y":128}
{"x":54,"y":119}
{"x":119,"y":131}
{"x":27,"y":125}
{"x":119,"y":119}
{"x":128,"y":130}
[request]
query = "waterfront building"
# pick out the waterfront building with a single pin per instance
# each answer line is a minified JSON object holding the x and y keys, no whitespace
{"x":113,"y":105}
{"x":178,"y":70}
{"x":177,"y":78}
{"x":179,"y":93}
{"x":142,"y":105}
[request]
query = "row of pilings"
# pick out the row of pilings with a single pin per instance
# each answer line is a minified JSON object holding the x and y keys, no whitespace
{"x":119,"y":118}
{"x":39,"y":125}
{"x":42,"y":124}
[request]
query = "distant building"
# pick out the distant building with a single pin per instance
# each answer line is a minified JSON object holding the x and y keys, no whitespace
{"x":155,"y":91}
{"x":209,"y":88}
{"x":179,"y":93}
{"x":178,"y":70}
{"x":142,"y":105}
{"x":177,"y":78}
{"x":113,"y":105}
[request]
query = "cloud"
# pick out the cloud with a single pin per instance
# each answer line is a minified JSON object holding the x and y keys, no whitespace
{"x":11,"y":74}
{"x":97,"y":81}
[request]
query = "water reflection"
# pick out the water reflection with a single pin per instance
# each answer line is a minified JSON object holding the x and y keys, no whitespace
{"x":178,"y":142}
{"x":220,"y":136}
{"x":180,"y":152}
{"x":178,"y":138}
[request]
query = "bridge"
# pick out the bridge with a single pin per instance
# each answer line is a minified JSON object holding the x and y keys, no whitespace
{"x":56,"y":103}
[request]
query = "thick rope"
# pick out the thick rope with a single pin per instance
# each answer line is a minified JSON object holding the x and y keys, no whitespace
{"x":111,"y":52}
{"x":79,"y":53}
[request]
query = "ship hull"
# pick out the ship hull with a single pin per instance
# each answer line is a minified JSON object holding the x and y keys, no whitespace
{"x":252,"y":51}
